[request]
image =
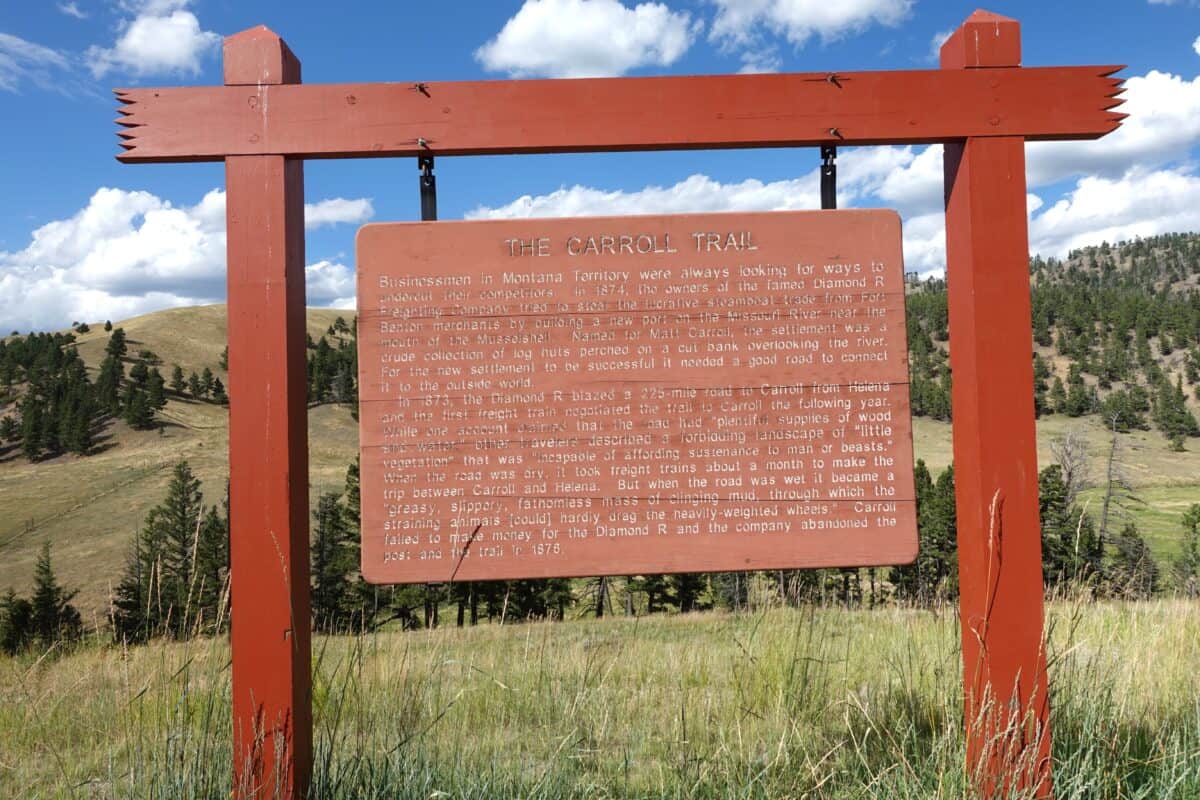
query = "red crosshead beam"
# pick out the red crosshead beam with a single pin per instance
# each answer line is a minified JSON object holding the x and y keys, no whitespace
{"x":613,"y":114}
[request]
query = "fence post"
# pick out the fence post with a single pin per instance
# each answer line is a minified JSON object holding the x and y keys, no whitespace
{"x":268,"y":446}
{"x":995,"y":445}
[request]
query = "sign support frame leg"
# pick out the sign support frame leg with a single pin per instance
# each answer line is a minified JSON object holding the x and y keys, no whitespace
{"x":995,"y":442}
{"x":268,"y":447}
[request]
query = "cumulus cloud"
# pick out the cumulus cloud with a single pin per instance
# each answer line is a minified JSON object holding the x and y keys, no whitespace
{"x":587,"y":38}
{"x":24,"y":61}
{"x":740,"y":25}
{"x":132,"y":252}
{"x":337,"y":210}
{"x":862,"y":175}
{"x":1196,"y":45}
{"x":1163,"y":126}
{"x":163,"y":37}
{"x":1140,"y":203}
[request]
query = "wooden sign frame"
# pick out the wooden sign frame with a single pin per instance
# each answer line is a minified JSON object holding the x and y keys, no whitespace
{"x":981,"y":104}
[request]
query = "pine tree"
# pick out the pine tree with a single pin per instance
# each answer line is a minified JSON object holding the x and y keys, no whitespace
{"x":116,"y":347}
{"x":16,"y":623}
{"x":206,"y":382}
{"x":1057,"y":400}
{"x":108,"y":326}
{"x":332,"y":564}
{"x":54,"y":618}
{"x":223,"y":362}
{"x":31,"y":426}
{"x":177,"y":382}
{"x":109,"y":382}
{"x":156,"y":395}
{"x":1187,"y":566}
{"x":1071,"y":549}
{"x":212,"y":568}
{"x":1132,"y":572}
{"x":174,"y":567}
{"x":195,"y":388}
{"x":134,"y":616}
{"x":10,"y":429}
{"x":218,"y":392}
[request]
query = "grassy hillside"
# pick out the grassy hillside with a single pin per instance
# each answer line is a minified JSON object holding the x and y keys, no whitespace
{"x":823,"y":704}
{"x":89,"y":508}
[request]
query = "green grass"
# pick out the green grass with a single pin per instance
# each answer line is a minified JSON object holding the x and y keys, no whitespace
{"x":783,"y":703}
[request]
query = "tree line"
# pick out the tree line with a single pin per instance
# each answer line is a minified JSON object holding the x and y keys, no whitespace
{"x":176,"y":578}
{"x":1116,"y":331}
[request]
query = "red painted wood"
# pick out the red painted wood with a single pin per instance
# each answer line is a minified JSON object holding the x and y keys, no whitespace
{"x":995,"y":455}
{"x":605,"y":114}
{"x":525,"y":384}
{"x":268,"y":453}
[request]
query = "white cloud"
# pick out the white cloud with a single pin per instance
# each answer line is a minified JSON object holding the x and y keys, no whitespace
{"x":586,"y":38}
{"x":163,"y":37}
{"x":330,"y":283}
{"x":72,"y":10}
{"x":1163,"y":126}
{"x":1196,"y":45}
{"x":1140,"y":203}
{"x":741,"y":24}
{"x":337,"y":210}
{"x":22,"y":61}
{"x":128,"y":252}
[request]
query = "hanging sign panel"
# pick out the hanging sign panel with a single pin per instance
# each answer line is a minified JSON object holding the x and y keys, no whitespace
{"x":633,"y":395}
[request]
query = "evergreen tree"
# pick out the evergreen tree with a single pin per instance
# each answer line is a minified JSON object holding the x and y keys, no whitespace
{"x":117,"y":346}
{"x":195,"y":388}
{"x":16,"y":623}
{"x":1071,"y":549}
{"x":1171,"y":413}
{"x":109,"y":382}
{"x":156,"y":395}
{"x":1187,"y":567}
{"x":134,"y":615}
{"x":332,"y":564}
{"x":218,"y":392}
{"x":54,"y":619}
{"x":223,"y":362}
{"x":32,"y":426}
{"x":10,"y":429}
{"x":1057,"y":400}
{"x":108,"y":326}
{"x":177,"y":382}
{"x":212,"y":568}
{"x":1132,"y":572}
{"x":206,"y":382}
{"x":934,"y":574}
{"x":1079,"y":399}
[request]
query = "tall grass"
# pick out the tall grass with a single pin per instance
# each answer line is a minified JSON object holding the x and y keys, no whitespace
{"x":824,"y":703}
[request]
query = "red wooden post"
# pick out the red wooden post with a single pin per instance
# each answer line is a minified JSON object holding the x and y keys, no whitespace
{"x":995,"y":454}
{"x":268,"y":446}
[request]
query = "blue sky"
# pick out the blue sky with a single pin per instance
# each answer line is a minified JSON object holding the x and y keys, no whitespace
{"x":84,"y":237}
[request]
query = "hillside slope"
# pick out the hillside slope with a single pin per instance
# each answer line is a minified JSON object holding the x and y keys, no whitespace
{"x":90,"y":507}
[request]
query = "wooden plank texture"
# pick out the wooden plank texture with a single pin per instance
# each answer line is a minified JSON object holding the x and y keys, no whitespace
{"x":995,"y":454}
{"x":611,"y":114}
{"x":268,"y":454}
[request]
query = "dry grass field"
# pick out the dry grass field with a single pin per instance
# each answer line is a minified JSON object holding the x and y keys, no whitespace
{"x":783,"y":703}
